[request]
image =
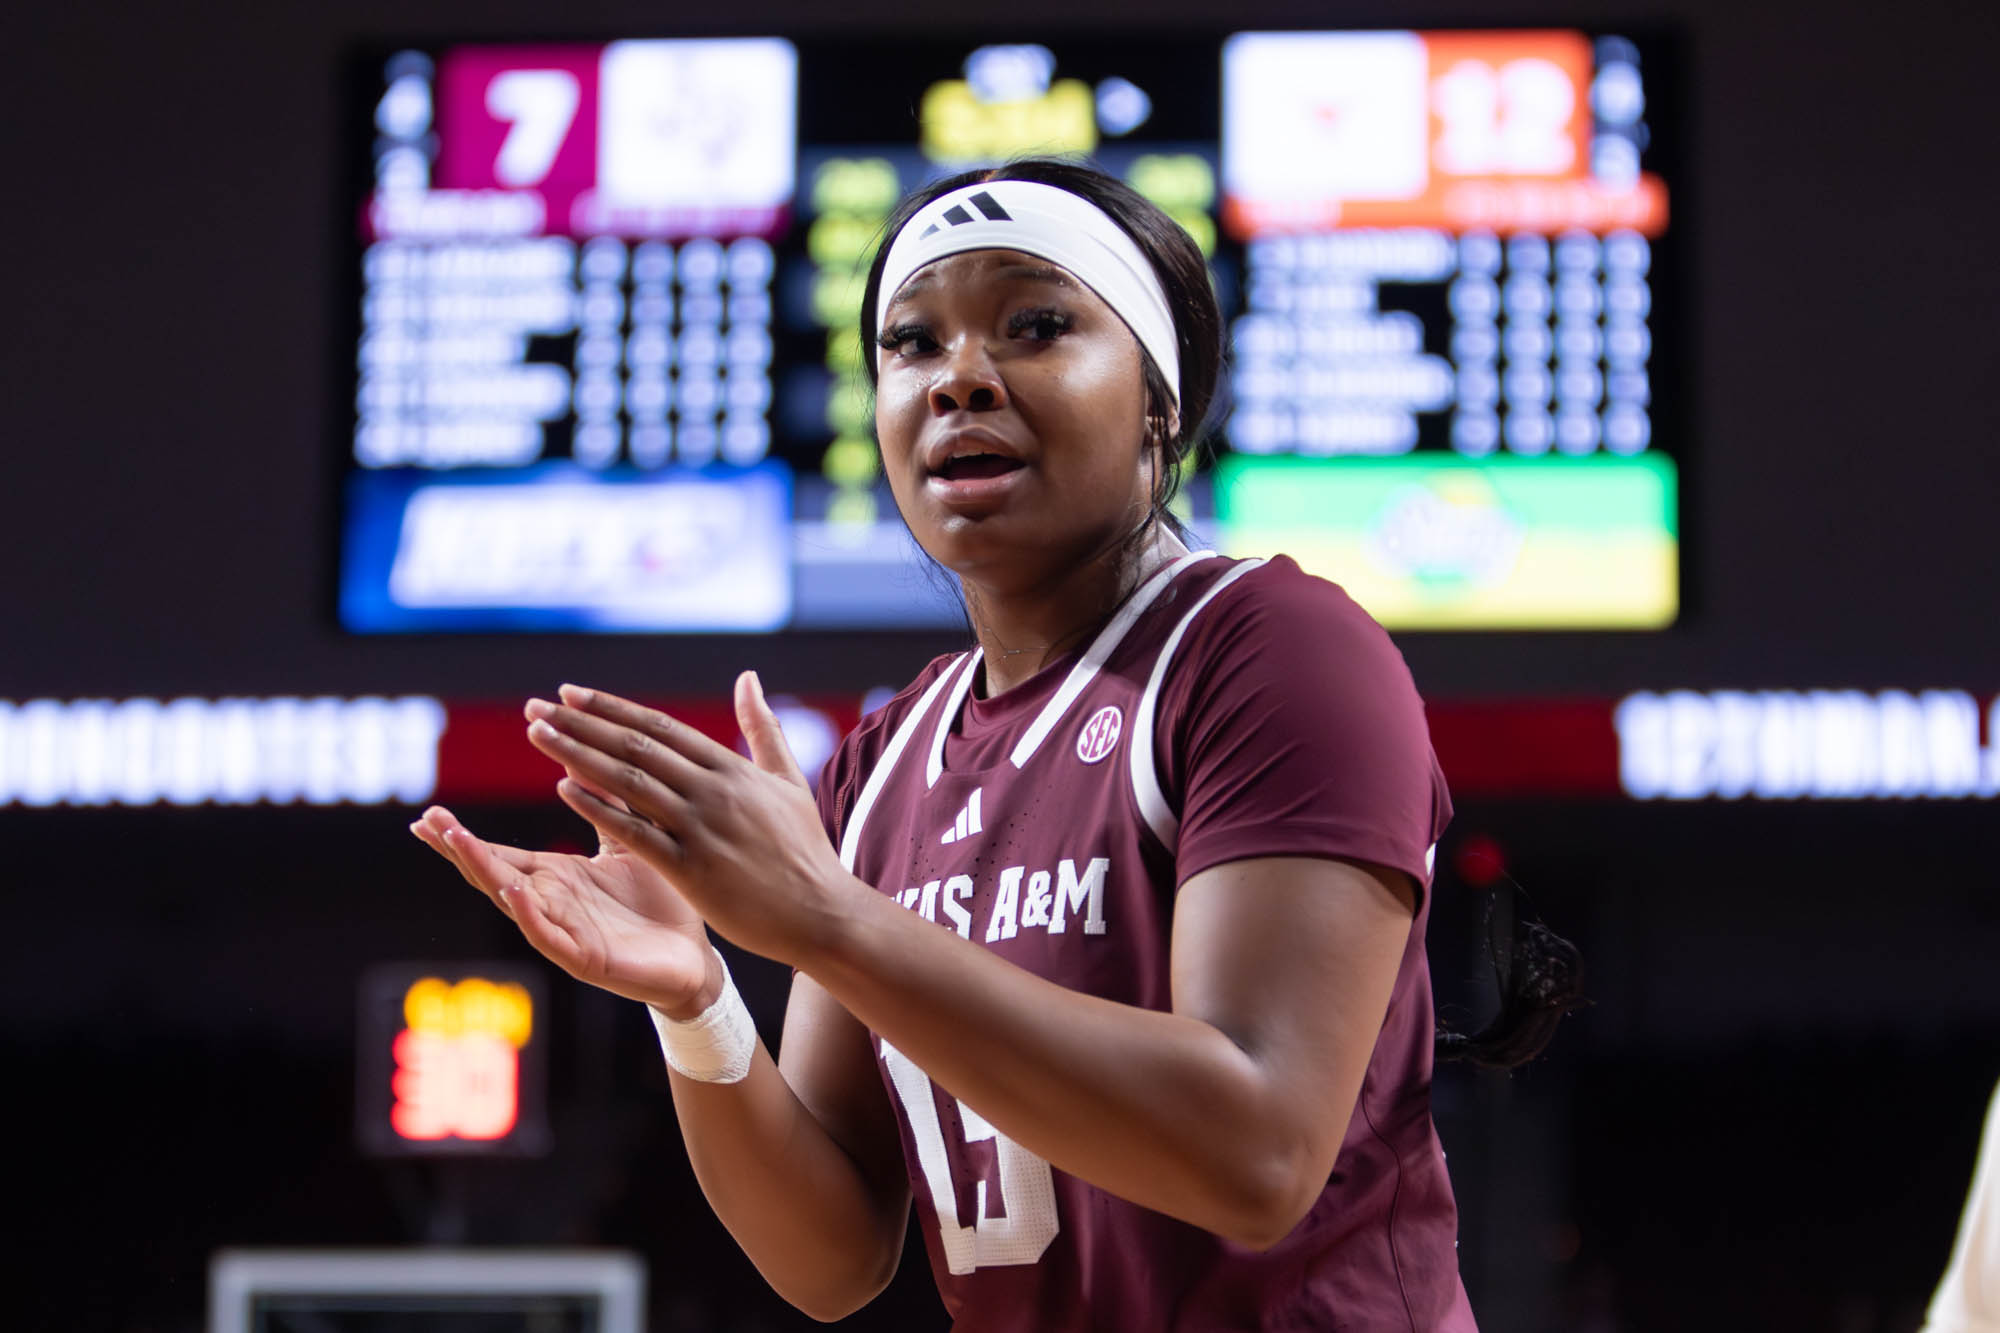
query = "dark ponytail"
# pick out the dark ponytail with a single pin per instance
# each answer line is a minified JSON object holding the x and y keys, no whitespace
{"x":1539,"y":976}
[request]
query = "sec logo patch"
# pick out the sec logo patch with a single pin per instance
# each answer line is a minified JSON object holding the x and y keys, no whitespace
{"x":1099,"y":736}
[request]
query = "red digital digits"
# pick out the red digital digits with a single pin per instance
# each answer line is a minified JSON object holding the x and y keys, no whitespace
{"x":458,"y":1061}
{"x":465,"y":1086}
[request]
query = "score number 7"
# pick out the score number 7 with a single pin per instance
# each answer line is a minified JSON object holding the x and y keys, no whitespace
{"x":1027,"y":1185}
{"x":539,"y":106}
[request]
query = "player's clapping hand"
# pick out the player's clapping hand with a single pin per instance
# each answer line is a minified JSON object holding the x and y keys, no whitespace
{"x":740,"y":838}
{"x":610,"y":919}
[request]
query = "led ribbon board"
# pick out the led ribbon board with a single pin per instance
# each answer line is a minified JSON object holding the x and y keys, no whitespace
{"x":1673,"y":744}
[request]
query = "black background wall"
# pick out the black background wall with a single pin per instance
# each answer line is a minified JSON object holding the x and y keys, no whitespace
{"x":1767,"y":1119}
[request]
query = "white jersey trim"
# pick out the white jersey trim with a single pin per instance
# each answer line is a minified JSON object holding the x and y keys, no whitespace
{"x":952,"y":703}
{"x":1107,"y":641}
{"x":850,"y":837}
{"x":957,"y":679}
{"x":1967,"y":1299}
{"x":1153,"y":807}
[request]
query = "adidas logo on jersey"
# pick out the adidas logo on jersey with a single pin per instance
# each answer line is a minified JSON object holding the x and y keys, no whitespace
{"x":967,"y":822}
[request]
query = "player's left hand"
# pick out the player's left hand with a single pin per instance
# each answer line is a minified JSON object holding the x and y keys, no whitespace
{"x":739,"y":838}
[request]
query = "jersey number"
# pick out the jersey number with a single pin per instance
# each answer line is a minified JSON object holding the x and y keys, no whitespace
{"x":1027,"y":1186}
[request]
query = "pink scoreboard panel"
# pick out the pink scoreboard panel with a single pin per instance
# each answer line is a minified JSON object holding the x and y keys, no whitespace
{"x":607,"y":377}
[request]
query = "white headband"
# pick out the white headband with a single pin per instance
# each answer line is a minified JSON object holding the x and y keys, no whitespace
{"x":1052,"y":224}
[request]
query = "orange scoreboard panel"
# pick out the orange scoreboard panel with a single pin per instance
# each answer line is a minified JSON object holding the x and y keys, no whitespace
{"x":1454,"y":130}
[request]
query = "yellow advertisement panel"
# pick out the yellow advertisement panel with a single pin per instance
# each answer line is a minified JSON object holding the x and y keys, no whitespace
{"x":1455,"y":543}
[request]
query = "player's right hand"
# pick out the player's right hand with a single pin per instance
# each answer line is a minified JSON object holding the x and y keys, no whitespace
{"x":609,"y":919}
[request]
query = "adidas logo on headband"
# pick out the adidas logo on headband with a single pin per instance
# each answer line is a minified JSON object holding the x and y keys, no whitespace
{"x":956,"y":215}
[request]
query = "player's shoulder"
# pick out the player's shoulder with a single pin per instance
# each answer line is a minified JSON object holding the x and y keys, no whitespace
{"x":1275,"y":601}
{"x":1274,"y":627}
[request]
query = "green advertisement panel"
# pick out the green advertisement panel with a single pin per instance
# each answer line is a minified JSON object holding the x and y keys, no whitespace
{"x":1456,"y":543}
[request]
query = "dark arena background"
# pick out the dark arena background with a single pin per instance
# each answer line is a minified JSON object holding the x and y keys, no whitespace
{"x":1759,"y":792}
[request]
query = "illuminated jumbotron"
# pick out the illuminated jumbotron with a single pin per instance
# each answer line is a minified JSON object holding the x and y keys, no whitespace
{"x":607,"y":374}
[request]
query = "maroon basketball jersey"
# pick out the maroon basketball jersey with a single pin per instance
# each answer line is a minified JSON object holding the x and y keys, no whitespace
{"x":1227,"y":710}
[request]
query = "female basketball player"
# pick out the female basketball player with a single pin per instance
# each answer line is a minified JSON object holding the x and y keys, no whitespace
{"x":1109,"y":931}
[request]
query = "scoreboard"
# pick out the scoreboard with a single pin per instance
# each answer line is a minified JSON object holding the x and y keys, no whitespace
{"x":606,"y":372}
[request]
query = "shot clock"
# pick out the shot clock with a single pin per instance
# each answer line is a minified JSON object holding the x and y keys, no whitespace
{"x":451,"y":1061}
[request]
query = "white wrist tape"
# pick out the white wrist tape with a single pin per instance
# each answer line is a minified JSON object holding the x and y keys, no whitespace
{"x":715,"y":1045}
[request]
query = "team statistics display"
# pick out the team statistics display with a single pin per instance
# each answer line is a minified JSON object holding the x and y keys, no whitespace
{"x":603,"y":298}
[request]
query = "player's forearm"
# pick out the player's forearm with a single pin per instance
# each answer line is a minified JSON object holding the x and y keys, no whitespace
{"x":794,"y":1200}
{"x":1160,"y":1109}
